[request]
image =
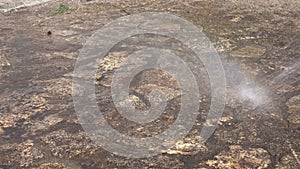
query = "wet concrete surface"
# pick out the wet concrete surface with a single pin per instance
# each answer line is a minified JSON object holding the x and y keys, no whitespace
{"x":259,"y":44}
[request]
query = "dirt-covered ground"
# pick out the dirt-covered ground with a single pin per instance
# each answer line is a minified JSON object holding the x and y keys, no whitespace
{"x":260,"y":46}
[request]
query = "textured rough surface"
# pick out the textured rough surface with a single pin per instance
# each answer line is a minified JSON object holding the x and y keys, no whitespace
{"x":38,"y":124}
{"x":8,"y":5}
{"x":237,"y":157}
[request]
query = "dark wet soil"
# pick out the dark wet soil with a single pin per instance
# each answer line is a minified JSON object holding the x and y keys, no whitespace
{"x":259,"y":44}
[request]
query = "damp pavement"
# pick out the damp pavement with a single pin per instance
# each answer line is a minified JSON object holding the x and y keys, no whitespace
{"x":259,"y":43}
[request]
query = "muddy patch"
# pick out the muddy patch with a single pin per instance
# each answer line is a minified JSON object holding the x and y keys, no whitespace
{"x":259,"y":45}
